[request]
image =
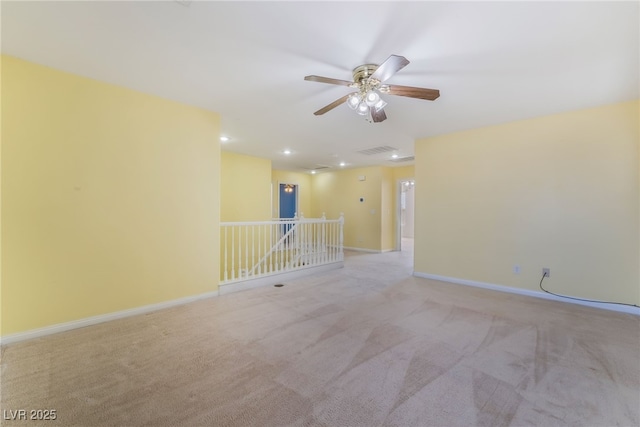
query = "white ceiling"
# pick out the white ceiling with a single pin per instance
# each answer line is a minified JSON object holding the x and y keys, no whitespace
{"x":493,"y":62}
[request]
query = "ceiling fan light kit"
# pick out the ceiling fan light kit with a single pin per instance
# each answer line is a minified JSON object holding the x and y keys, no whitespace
{"x":371,"y":98}
{"x":353,"y":101}
{"x":363,"y":109}
{"x":368,"y":79}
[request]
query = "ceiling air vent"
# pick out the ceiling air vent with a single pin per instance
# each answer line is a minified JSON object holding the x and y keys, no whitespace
{"x":403,"y":159}
{"x":315,"y":168}
{"x":377,"y":150}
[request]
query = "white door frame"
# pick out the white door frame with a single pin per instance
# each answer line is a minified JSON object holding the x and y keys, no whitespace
{"x":399,"y":214}
{"x":399,"y":211}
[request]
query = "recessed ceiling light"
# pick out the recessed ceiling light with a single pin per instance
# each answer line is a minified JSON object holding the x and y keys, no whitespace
{"x":394,"y":156}
{"x":343,"y":164}
{"x":224,"y":138}
{"x":313,"y":172}
{"x":287,"y":152}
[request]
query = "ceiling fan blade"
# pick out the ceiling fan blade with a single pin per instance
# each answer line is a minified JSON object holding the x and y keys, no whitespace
{"x":378,"y":116}
{"x":388,"y":68}
{"x":333,"y":105}
{"x":321,"y":79}
{"x":413,"y":92}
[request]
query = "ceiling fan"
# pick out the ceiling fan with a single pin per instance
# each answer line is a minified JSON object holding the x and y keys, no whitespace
{"x":368,"y":80}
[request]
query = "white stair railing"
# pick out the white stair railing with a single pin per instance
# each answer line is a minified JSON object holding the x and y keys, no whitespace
{"x":280,"y":244}
{"x":263,"y":248}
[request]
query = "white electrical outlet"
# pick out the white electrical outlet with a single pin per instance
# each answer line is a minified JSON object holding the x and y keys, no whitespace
{"x":546,"y":272}
{"x":516,"y":269}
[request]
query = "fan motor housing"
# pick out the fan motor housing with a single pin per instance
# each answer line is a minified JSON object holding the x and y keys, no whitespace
{"x":363,"y":71}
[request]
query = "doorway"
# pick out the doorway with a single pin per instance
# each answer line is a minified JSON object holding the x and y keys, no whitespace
{"x":288,"y":205}
{"x":405,"y":215}
{"x":288,"y":201}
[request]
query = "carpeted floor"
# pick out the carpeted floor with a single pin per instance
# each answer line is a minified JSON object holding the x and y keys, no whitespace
{"x":367,"y":345}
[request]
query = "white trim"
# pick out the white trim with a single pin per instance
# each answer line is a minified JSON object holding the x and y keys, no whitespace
{"x":276,"y":278}
{"x":399,"y":186}
{"x":94,"y":320}
{"x":371,"y":251}
{"x":398,"y":209}
{"x":527,"y":292}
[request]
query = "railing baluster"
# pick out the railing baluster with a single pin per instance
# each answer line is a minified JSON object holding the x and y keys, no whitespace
{"x":313,"y":247}
{"x":315,"y":244}
{"x":246,"y":249}
{"x":270,"y":247}
{"x":331,"y":242}
{"x":271,"y":241}
{"x":318,"y":248}
{"x":282,"y":252}
{"x":233,"y":252}
{"x":335,"y":242}
{"x":260,"y":228}
{"x":323,"y":230}
{"x":226,"y":250}
{"x":278,"y":253}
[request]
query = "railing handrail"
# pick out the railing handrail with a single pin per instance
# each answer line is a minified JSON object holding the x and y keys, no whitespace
{"x":284,"y":220}
{"x":318,"y":221}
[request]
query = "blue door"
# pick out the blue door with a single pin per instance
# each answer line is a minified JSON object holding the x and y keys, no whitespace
{"x":288,"y":195}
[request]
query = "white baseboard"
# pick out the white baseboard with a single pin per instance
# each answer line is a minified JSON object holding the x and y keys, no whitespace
{"x":94,"y":320}
{"x":257,"y":282}
{"x":537,"y":294}
{"x":371,"y":251}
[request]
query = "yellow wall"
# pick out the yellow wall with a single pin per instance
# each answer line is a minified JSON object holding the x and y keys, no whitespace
{"x":559,"y":192}
{"x":403,"y":172}
{"x":245,"y":188}
{"x":302,"y":180}
{"x":109,"y":198}
{"x":1,"y":316}
{"x":340,"y":191}
{"x":370,"y":224}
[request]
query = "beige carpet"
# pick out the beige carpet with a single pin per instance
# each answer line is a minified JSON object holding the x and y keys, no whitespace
{"x":367,"y":345}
